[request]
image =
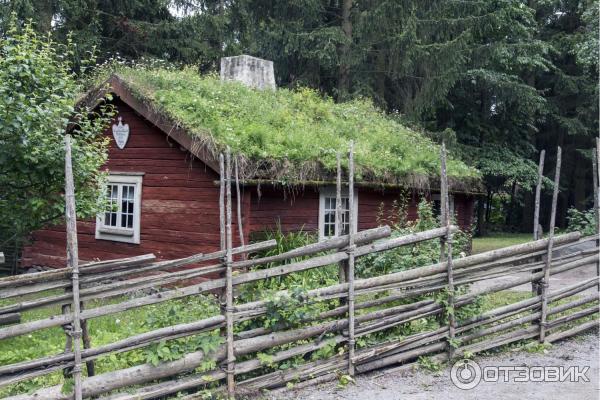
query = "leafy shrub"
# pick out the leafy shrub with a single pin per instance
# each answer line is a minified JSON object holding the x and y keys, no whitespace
{"x":175,"y":349}
{"x":289,"y":310}
{"x":310,"y":279}
{"x":581,"y":221}
{"x":408,"y":257}
{"x":38,"y":95}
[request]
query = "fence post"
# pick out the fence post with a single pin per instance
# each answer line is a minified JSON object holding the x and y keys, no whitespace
{"x":87,"y":344}
{"x":595,"y":179}
{"x":446,"y":244}
{"x":597,"y":202}
{"x":222,"y":201}
{"x":239,"y":207}
{"x":338,"y":215}
{"x":73,"y":263}
{"x":536,"y":214}
{"x":352,"y":225}
{"x":229,"y":282}
{"x":546,"y":279}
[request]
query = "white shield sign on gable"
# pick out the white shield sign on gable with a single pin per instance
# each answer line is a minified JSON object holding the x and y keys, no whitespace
{"x":120,"y":133}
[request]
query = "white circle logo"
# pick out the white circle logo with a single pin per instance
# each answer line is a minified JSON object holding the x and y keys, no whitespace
{"x":465,"y":374}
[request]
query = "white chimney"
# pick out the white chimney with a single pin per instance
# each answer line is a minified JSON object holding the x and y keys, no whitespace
{"x":251,"y":71}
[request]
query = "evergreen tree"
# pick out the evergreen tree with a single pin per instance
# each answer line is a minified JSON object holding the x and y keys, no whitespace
{"x":183,"y":31}
{"x":497,"y":80}
{"x":570,"y":88}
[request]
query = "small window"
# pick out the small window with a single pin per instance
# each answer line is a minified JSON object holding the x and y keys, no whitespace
{"x":120,"y":221}
{"x":327,"y":213}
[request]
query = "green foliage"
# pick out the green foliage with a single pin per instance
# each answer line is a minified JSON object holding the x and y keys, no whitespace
{"x":498,"y":240}
{"x":175,"y":349}
{"x":290,"y":310}
{"x":461,"y":313}
{"x":327,"y":351}
{"x":68,"y":386}
{"x":305,"y":280}
{"x":176,"y":30}
{"x":291,"y":128}
{"x":108,"y":329}
{"x":345,"y":380}
{"x":537,"y":347}
{"x":38,"y":93}
{"x":429,"y":364}
{"x":408,"y":257}
{"x":497,"y":80}
{"x":582,"y":221}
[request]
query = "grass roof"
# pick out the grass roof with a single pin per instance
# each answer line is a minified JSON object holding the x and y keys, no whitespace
{"x":293,"y":135}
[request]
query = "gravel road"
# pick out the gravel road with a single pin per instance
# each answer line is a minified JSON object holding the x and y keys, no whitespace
{"x":419,"y":385}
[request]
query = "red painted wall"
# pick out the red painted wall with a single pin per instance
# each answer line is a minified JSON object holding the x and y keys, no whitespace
{"x":180,"y":212}
{"x":300,"y":209}
{"x":292,"y":210}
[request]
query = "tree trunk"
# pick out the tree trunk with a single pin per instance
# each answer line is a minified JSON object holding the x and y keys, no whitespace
{"x":380,"y":76}
{"x":344,"y":70}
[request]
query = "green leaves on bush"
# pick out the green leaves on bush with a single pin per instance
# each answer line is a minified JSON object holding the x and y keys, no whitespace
{"x":408,"y":257}
{"x":38,"y":96}
{"x":582,"y":221}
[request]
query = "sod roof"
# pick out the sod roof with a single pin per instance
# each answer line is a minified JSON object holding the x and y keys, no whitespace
{"x":292,"y":136}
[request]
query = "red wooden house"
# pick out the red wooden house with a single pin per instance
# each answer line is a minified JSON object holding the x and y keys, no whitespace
{"x":163,"y":187}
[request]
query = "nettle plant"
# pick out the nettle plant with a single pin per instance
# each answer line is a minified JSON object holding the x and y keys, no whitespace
{"x":408,"y":257}
{"x":295,"y":308}
{"x":163,"y":351}
{"x":291,"y":310}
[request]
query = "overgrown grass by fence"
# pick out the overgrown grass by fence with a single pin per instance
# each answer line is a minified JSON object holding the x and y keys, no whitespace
{"x":294,"y":335}
{"x":383,"y":302}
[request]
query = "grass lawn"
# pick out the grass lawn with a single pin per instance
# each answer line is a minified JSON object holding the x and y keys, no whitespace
{"x":499,"y":240}
{"x":103,"y":330}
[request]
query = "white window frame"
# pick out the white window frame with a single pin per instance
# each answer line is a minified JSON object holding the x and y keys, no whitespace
{"x":117,"y":234}
{"x":330,"y":192}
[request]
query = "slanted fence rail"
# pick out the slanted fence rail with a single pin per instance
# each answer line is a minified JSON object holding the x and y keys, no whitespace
{"x":365,"y":306}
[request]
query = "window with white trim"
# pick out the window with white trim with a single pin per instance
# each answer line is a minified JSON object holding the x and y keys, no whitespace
{"x":120,"y":222}
{"x":327,"y":212}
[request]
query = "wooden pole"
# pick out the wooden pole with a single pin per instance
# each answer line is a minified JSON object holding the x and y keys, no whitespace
{"x":351,"y":250}
{"x":536,"y":214}
{"x":87,"y":344}
{"x":597,"y":202}
{"x":229,"y":283}
{"x":538,"y":191}
{"x":73,"y":263}
{"x":546,"y":279}
{"x":67,"y":328}
{"x":222,"y":201}
{"x":595,"y":179}
{"x":445,"y":205}
{"x":239,"y":207}
{"x":338,"y":214}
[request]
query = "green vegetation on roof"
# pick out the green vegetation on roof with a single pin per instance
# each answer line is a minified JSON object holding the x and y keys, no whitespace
{"x":297,"y":132}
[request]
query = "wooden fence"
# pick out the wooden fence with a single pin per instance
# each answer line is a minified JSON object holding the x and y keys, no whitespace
{"x":361,"y":307}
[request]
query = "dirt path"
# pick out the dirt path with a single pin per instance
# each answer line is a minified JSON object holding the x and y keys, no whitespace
{"x":419,"y":385}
